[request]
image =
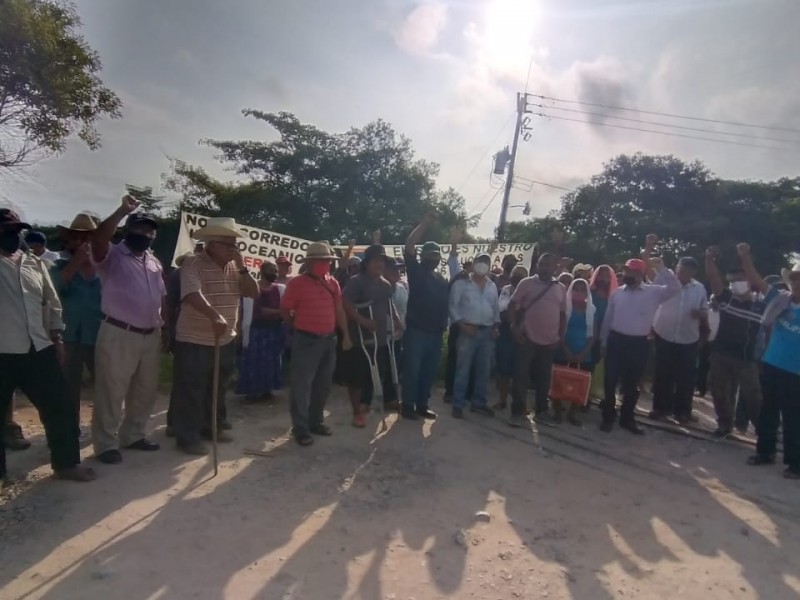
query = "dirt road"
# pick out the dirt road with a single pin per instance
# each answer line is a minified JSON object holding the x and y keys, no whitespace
{"x":572,"y":513}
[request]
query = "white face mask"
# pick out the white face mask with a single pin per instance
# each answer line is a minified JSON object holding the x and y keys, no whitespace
{"x":481,"y":269}
{"x":740,"y":288}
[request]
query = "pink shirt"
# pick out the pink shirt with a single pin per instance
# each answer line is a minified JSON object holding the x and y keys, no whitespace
{"x":133,"y":286}
{"x":542,"y":324}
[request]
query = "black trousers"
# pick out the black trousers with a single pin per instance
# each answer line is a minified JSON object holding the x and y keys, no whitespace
{"x":78,"y":357}
{"x":673,"y":384}
{"x":40,"y":377}
{"x":532,"y":361}
{"x":626,"y":361}
{"x":450,"y":365}
{"x":703,"y":368}
{"x":192,"y":382}
{"x":780,"y":391}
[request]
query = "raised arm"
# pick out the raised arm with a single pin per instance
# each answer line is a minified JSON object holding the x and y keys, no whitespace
{"x":415,"y":236}
{"x":667,"y":282}
{"x":347,"y":254}
{"x":712,"y":271}
{"x":452,"y":260}
{"x":102,"y":236}
{"x":650,"y":242}
{"x":753,"y":276}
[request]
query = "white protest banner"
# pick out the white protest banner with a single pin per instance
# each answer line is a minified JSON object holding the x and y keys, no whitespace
{"x":258,"y":245}
{"x":467,"y":253}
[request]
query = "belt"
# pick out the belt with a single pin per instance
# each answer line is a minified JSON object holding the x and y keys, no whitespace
{"x":127,"y":327}
{"x":316,"y":335}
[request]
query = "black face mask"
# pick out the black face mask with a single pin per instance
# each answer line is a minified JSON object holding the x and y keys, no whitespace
{"x":10,"y":241}
{"x":629,"y":280}
{"x":271,"y":277}
{"x":138,"y":242}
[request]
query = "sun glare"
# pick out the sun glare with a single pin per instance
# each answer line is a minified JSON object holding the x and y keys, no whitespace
{"x":508,"y":28}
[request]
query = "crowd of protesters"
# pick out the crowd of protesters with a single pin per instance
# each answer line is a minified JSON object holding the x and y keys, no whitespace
{"x":377,"y":325}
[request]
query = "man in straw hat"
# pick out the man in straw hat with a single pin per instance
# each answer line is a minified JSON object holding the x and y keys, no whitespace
{"x":312,"y":304}
{"x":31,"y":349}
{"x":212,"y":284}
{"x":127,"y":352}
{"x":79,"y":289}
{"x":780,"y":374}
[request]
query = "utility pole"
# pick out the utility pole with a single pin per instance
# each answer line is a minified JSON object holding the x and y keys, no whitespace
{"x":501,"y":227}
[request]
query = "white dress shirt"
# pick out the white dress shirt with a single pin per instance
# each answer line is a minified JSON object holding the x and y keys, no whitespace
{"x":674,"y":321}
{"x":631,"y":310}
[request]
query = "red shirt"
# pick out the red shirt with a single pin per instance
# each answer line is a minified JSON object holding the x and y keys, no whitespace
{"x":314,"y":303}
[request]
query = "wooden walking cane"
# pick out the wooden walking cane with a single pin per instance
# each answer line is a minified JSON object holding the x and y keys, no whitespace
{"x":215,"y":404}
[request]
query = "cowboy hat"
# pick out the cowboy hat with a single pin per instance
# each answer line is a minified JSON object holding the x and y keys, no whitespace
{"x":82,"y":223}
{"x":219,"y":227}
{"x":319,"y":251}
{"x":786,"y":273}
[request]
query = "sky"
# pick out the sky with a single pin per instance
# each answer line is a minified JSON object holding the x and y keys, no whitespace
{"x":444,"y":73}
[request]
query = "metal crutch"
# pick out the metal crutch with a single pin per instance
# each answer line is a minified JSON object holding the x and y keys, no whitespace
{"x":372,"y":359}
{"x":392,"y":340}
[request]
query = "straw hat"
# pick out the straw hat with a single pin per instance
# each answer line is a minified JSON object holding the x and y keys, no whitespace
{"x":223,"y":227}
{"x":82,"y":223}
{"x":319,"y":251}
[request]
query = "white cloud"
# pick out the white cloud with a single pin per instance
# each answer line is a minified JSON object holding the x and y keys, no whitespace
{"x":421,"y":29}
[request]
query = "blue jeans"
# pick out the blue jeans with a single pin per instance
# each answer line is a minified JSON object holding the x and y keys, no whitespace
{"x":474,"y":354}
{"x":421,"y":352}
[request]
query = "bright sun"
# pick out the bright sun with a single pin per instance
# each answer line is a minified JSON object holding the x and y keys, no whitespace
{"x":508,"y":30}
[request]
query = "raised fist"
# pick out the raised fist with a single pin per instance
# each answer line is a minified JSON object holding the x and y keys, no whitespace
{"x":129,"y":203}
{"x":743,"y":249}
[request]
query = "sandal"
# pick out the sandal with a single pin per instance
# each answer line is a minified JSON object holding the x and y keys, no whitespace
{"x":758,"y":460}
{"x":76,"y":473}
{"x":791,"y":472}
{"x":304,"y":439}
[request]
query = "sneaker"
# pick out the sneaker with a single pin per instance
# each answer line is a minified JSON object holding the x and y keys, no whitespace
{"x":321,"y":430}
{"x":409,"y":413}
{"x":482,"y":410}
{"x":426,"y":413}
{"x":359,"y":420}
{"x":607,"y":426}
{"x":544,"y":418}
{"x":195,"y":449}
{"x":722,"y":433}
{"x":222,"y":437}
{"x":632,"y":427}
{"x":458,"y":413}
{"x":110,"y":457}
{"x":519,"y":421}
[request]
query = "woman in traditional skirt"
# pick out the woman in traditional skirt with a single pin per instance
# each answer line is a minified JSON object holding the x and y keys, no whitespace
{"x":260,"y":363}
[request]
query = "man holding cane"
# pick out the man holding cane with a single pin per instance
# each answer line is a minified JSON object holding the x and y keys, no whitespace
{"x":212,"y":283}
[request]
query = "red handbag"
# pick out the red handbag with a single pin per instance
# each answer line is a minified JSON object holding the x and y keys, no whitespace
{"x":569,"y":384}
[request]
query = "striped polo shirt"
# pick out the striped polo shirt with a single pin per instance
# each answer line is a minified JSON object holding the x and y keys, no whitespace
{"x":313,"y":302}
{"x":739,"y":324}
{"x":221,"y":287}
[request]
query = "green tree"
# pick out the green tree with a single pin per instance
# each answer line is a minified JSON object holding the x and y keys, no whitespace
{"x":607,"y":219}
{"x":150,"y":202}
{"x":311,"y":183}
{"x":49,"y":81}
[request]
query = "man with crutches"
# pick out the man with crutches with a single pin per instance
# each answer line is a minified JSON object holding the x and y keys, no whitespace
{"x":212,"y":284}
{"x":371,"y":316}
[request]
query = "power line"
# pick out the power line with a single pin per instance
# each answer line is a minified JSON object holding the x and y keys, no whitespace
{"x":485,"y":152}
{"x":488,"y":204}
{"x":670,"y":115}
{"x":680,"y":135}
{"x":550,"y":185}
{"x":682,"y":127}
